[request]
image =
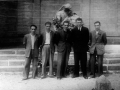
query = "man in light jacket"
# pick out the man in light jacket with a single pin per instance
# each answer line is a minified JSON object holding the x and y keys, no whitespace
{"x":97,"y":42}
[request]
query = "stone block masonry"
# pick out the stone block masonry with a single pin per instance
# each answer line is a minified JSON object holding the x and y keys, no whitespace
{"x":12,"y":60}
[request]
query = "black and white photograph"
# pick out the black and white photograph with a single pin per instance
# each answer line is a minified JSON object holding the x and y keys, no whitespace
{"x":59,"y":44}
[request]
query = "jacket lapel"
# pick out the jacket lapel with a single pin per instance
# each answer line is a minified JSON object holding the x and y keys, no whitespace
{"x":94,"y":34}
{"x":29,"y":38}
{"x":44,"y":37}
{"x":35,"y":38}
{"x":51,"y":34}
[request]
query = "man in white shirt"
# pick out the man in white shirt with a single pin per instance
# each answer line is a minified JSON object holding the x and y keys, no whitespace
{"x":48,"y":49}
{"x":32,"y":42}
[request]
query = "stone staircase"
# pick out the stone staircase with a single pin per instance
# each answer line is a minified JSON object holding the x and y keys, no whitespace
{"x":12,"y":60}
{"x":112,"y":58}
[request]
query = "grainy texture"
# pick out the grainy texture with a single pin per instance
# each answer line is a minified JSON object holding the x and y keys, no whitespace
{"x":14,"y":82}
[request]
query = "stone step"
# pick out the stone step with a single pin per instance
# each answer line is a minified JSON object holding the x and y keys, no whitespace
{"x":14,"y":57}
{"x":70,"y":62}
{"x":106,"y":68}
{"x":108,"y":49}
{"x":12,"y":51}
{"x":112,"y":48}
{"x":111,"y":61}
{"x":19,"y":60}
{"x":112,"y":55}
{"x":12,"y":60}
{"x":11,"y":69}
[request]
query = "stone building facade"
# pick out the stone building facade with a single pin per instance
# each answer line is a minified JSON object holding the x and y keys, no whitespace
{"x":17,"y":15}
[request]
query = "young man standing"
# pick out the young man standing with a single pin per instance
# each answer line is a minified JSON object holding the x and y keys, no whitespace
{"x":80,"y":39}
{"x":97,"y":42}
{"x":32,"y":42}
{"x":63,"y":42}
{"x":48,"y":49}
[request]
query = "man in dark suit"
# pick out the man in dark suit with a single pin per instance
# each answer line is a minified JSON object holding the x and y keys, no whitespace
{"x":48,"y":49}
{"x":80,"y":39}
{"x":32,"y":42}
{"x":97,"y":42}
{"x":63,"y":40}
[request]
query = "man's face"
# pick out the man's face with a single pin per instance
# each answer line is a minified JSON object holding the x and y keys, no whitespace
{"x":79,"y":23}
{"x":65,"y":26}
{"x":97,"y":26}
{"x":33,"y":30}
{"x":48,"y":26}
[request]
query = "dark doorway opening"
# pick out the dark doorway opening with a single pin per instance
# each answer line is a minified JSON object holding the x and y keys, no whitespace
{"x":8,"y":24}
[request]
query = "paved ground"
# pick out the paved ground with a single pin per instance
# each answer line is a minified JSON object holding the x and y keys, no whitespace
{"x":14,"y":82}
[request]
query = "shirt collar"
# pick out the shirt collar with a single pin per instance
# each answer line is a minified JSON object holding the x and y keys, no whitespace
{"x":32,"y":35}
{"x":48,"y":32}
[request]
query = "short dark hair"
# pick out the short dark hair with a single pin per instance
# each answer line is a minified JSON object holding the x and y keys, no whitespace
{"x":48,"y":23}
{"x":97,"y":22}
{"x":79,"y":19}
{"x":33,"y":26}
{"x":65,"y":22}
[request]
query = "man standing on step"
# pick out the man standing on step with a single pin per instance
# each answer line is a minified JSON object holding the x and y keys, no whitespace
{"x":32,"y":42}
{"x":97,"y":42}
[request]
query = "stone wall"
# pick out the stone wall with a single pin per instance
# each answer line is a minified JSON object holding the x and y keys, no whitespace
{"x":105,"y":11}
{"x":17,"y":15}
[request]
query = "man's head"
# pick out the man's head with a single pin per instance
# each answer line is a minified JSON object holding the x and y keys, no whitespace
{"x":79,"y":22}
{"x":65,"y":25}
{"x":33,"y":29}
{"x":48,"y":26}
{"x":97,"y":25}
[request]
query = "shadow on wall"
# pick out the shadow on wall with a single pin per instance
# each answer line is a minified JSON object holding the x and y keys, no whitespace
{"x":9,"y":36}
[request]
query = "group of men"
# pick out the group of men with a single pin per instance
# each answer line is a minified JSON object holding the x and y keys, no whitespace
{"x":64,"y":38}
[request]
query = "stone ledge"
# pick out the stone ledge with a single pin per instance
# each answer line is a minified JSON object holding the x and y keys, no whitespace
{"x":3,"y":63}
{"x":11,"y":69}
{"x":16,"y":63}
{"x":7,"y":52}
{"x":114,"y":67}
{"x":12,"y":57}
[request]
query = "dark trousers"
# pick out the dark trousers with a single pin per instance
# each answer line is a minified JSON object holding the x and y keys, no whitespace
{"x":60,"y":59}
{"x":99,"y":59}
{"x":65,"y":62}
{"x":82,"y":57}
{"x":62,"y":62}
{"x":47,"y":55}
{"x":27,"y":65}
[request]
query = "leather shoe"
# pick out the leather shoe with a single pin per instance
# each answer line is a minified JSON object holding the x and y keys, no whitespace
{"x":59,"y":78}
{"x":42,"y":77}
{"x":86,"y":77}
{"x":51,"y":76}
{"x":93,"y":76}
{"x":74,"y":76}
{"x":91,"y":73}
{"x":24,"y":78}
